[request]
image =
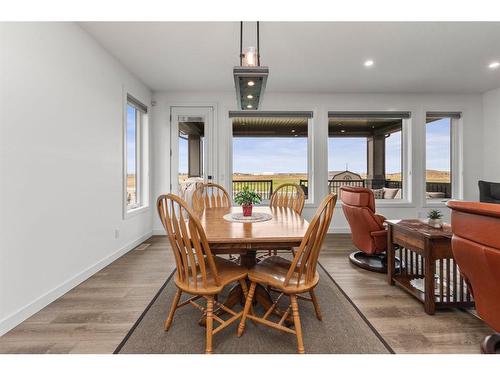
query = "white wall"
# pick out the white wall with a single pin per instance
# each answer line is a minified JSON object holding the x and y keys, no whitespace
{"x":471,"y":125}
{"x":61,"y":108}
{"x":491,"y":115}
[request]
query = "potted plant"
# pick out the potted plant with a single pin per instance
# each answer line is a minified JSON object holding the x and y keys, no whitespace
{"x":435,"y":217}
{"x":246,"y":198}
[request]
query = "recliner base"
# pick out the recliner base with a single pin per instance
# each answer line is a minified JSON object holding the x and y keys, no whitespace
{"x":374,"y":263}
{"x":491,"y":344}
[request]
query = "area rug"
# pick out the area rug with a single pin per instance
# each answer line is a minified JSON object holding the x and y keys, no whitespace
{"x":343,"y":329}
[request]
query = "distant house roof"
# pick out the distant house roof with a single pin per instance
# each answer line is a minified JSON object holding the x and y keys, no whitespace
{"x":347,"y":175}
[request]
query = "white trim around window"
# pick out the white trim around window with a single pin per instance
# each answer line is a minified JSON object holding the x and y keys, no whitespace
{"x":309,"y":114}
{"x":407,"y":146}
{"x":142,"y":187}
{"x":456,"y":162}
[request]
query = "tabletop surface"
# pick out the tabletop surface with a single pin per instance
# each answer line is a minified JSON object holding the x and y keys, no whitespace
{"x":418,"y":226}
{"x":285,"y":226}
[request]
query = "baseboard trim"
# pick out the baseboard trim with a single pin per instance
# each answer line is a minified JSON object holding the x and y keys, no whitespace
{"x":340,"y":230}
{"x":30,"y":309}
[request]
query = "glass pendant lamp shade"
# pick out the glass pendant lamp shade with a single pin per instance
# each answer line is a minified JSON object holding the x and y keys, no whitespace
{"x":250,"y":56}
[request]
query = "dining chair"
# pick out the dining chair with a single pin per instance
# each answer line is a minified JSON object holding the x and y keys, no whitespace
{"x":210,"y":195}
{"x":199,"y":273}
{"x":292,"y":278}
{"x":289,"y":196}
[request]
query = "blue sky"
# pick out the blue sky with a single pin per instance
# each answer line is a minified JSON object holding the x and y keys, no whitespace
{"x":289,"y":155}
{"x":260,"y":155}
{"x":183,"y":155}
{"x":130,"y":139}
{"x":438,"y":145}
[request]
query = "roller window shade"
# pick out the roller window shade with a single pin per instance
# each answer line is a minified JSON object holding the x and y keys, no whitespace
{"x":302,"y":114}
{"x":136,"y":104}
{"x":453,"y":115}
{"x":364,"y":115}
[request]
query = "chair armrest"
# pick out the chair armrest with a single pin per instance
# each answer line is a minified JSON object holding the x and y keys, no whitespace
{"x":379,"y":240}
{"x":379,"y":233}
{"x":380,"y":219}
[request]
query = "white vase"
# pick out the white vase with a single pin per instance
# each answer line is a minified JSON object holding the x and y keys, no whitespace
{"x":435,"y":223}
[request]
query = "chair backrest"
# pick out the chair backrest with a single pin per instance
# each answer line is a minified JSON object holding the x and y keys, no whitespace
{"x":303,"y":267}
{"x":358,"y":204}
{"x":288,"y":195}
{"x":188,"y":241}
{"x":188,"y":187}
{"x":210,"y":195}
{"x":476,"y":249}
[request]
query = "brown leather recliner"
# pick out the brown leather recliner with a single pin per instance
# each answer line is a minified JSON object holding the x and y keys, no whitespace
{"x":476,"y":248}
{"x":368,"y":232}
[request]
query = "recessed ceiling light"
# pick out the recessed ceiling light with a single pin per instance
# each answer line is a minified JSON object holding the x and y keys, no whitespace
{"x":293,"y":130}
{"x":249,"y":106}
{"x":342,"y":130}
{"x":494,"y":65}
{"x":250,"y":96}
{"x":295,"y":135}
{"x":251,"y":83}
{"x":369,"y":63}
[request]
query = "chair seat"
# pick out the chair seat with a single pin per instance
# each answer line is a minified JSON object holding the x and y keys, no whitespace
{"x":272,"y":271}
{"x":228,"y":271}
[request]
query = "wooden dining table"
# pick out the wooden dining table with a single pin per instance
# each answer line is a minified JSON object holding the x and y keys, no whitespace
{"x":283,"y":231}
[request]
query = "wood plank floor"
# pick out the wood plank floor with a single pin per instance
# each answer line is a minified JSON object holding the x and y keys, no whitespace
{"x":397,"y":316}
{"x":96,"y":315}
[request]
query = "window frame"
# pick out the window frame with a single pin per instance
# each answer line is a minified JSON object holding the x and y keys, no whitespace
{"x":306,"y":113}
{"x":455,"y":159}
{"x":407,"y":118}
{"x":141,"y":157}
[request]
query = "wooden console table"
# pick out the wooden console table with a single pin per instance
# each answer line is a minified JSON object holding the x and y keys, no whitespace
{"x":426,"y":255}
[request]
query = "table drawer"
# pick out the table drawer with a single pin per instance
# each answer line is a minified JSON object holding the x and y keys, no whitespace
{"x":410,"y":242}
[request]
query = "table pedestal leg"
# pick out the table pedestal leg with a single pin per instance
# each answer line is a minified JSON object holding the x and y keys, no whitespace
{"x":248,"y":259}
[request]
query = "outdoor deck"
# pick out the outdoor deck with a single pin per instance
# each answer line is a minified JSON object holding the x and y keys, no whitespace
{"x":265,"y":187}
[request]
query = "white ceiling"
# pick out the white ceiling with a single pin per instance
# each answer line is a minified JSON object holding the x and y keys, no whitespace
{"x":310,"y":56}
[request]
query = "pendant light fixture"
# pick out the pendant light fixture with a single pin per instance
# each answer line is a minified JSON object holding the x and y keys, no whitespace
{"x":250,"y":78}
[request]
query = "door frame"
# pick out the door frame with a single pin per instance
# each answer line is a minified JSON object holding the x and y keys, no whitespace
{"x":209,"y":112}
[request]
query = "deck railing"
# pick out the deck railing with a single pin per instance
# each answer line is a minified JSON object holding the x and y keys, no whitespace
{"x":439,"y":187}
{"x":262,"y":187}
{"x":335,"y":185}
{"x":265,"y":187}
{"x":305,"y":186}
{"x":393,"y":184}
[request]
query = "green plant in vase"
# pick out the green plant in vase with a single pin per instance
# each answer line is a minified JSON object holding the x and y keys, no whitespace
{"x":435,"y":218}
{"x":246,"y":198}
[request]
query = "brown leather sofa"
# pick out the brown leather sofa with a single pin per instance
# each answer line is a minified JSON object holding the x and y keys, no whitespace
{"x":368,"y":232}
{"x":476,"y":248}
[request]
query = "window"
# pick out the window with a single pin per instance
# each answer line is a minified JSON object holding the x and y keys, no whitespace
{"x":270,"y":149}
{"x":438,"y":152}
{"x":191,"y":143}
{"x":365,"y":150}
{"x":135,"y":155}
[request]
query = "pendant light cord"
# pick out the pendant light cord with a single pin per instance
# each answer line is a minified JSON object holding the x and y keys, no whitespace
{"x":241,"y":43}
{"x":258,"y":44}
